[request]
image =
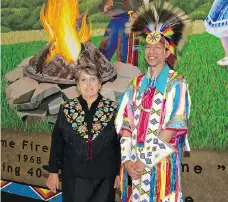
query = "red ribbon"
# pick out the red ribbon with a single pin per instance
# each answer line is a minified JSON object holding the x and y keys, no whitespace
{"x":158,"y":184}
{"x":167,"y":186}
{"x":147,"y":101}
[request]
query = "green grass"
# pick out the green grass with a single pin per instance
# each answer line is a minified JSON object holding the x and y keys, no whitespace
{"x":207,"y":81}
{"x":99,"y":25}
{"x":208,"y":86}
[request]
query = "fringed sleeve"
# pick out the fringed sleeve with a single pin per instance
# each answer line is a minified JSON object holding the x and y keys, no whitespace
{"x":177,"y":109}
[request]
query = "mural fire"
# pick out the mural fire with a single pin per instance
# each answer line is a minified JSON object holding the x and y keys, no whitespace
{"x":69,"y":45}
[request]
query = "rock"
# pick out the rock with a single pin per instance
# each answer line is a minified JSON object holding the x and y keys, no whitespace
{"x":71,"y":92}
{"x":21,"y":90}
{"x":14,"y":75}
{"x":18,"y":72}
{"x":43,"y":104}
{"x":25,"y":62}
{"x":41,"y":112}
{"x":119,"y":85}
{"x":43,"y":91}
{"x":33,"y":116}
{"x":127,"y":70}
{"x":27,"y":106}
{"x":52,"y":118}
{"x":53,"y":106}
{"x":108,"y":93}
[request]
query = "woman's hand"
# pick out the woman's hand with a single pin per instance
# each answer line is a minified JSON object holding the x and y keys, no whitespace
{"x":117,"y":182}
{"x":53,"y":182}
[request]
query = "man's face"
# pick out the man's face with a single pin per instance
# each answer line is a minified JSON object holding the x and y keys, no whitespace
{"x":156,"y":54}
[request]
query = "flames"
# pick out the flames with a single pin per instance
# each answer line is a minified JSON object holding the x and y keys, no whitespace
{"x":59,"y":20}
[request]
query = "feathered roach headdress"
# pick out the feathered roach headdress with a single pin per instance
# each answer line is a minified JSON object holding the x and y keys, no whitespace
{"x":160,"y":20}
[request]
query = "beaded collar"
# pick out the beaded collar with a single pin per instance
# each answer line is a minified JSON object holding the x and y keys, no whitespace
{"x":76,"y":116}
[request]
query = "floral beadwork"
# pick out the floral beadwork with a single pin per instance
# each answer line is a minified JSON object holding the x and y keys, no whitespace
{"x":76,"y":116}
{"x":105,"y":112}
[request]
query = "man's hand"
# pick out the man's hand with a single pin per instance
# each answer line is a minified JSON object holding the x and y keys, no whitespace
{"x":140,"y":166}
{"x":117,"y":182}
{"x":53,"y":182}
{"x":132,"y":170}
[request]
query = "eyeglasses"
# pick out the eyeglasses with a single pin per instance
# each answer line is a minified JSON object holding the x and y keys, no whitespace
{"x":88,"y":80}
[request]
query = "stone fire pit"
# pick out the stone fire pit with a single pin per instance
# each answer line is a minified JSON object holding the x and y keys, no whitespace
{"x":34,"y":99}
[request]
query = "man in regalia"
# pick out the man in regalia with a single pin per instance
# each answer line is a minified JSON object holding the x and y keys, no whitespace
{"x":153,"y":116}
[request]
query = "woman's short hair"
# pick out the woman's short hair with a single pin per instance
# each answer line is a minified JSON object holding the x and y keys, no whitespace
{"x":89,"y":69}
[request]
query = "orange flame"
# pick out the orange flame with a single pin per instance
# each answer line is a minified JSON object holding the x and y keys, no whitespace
{"x":59,"y":20}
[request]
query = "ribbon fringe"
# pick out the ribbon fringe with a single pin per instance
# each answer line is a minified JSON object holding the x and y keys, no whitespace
{"x":164,"y":180}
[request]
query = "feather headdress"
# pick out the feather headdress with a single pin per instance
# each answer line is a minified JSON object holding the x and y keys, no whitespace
{"x":159,"y":20}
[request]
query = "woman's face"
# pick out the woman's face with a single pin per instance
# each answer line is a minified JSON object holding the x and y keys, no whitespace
{"x":88,"y":85}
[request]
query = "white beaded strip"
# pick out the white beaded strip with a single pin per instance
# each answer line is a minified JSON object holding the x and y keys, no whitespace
{"x":125,"y":143}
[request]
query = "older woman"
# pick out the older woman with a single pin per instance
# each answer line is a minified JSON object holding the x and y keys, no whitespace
{"x":85,"y":145}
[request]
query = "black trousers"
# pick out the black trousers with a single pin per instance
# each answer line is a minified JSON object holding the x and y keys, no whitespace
{"x":76,"y":189}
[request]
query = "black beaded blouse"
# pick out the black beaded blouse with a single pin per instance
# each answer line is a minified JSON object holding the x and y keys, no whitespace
{"x":84,"y":141}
